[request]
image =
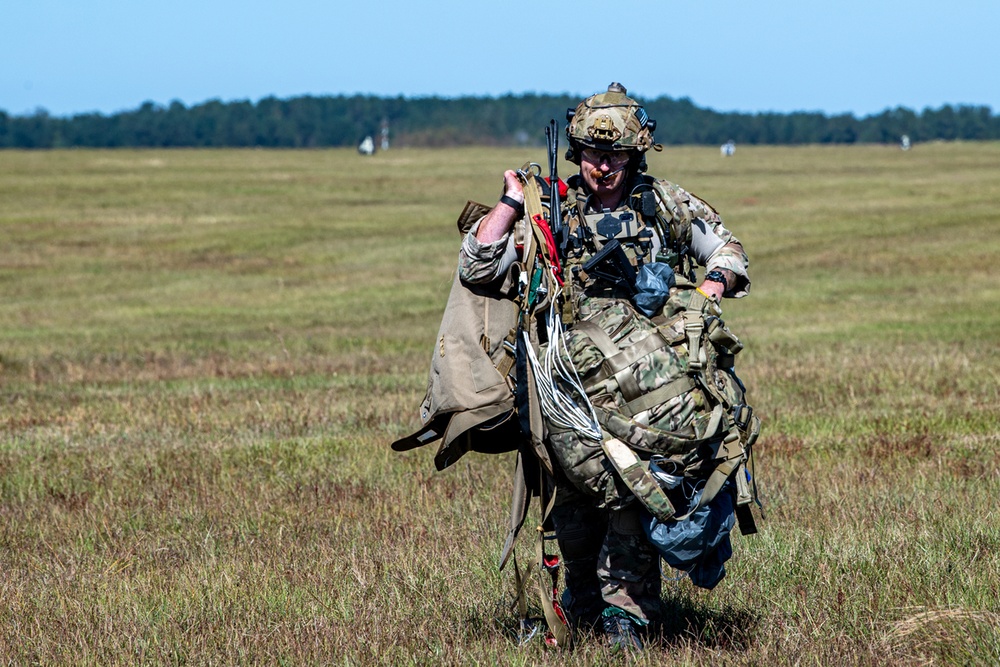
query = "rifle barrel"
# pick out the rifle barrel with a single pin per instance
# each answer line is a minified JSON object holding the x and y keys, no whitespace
{"x":555,"y":210}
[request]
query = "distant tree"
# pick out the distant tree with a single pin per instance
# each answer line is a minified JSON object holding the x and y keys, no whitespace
{"x":307,"y":122}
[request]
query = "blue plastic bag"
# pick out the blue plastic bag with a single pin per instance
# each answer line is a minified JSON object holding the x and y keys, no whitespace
{"x":699,"y":545}
{"x":653,"y":284}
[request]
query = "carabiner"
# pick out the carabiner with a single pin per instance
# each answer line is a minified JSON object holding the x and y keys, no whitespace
{"x":529,"y":169}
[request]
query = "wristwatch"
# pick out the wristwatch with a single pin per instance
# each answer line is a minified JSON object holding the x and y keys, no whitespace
{"x":717,"y":276}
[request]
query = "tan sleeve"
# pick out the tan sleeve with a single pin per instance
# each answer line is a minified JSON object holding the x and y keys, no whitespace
{"x":715,"y":247}
{"x":480,"y":263}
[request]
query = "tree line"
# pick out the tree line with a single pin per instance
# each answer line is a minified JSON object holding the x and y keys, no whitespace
{"x":325,"y":121}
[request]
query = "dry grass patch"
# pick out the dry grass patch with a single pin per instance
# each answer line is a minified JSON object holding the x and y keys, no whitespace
{"x":204,"y":356}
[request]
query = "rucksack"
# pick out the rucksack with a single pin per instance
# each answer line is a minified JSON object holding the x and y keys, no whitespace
{"x":663,"y":390}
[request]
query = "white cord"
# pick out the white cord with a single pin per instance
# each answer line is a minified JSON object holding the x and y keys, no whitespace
{"x":568,"y":408}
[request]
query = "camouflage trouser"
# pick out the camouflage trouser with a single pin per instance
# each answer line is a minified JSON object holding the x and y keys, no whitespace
{"x":606,"y":559}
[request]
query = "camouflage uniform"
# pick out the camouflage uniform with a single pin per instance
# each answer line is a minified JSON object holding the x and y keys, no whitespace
{"x":696,"y":233}
{"x":608,"y":560}
{"x":606,"y":557}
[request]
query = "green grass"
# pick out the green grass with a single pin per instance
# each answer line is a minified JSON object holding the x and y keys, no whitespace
{"x":204,"y":356}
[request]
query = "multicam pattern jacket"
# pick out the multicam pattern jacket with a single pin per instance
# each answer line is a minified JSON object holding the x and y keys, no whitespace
{"x":658,"y":221}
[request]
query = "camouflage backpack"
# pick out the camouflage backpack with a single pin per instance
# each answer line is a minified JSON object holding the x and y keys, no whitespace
{"x":663,"y":391}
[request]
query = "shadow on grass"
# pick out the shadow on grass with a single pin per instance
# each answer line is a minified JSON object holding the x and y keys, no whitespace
{"x":504,"y":621}
{"x":688,"y":621}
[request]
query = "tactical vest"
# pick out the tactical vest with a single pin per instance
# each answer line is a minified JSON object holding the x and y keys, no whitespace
{"x":653,"y":224}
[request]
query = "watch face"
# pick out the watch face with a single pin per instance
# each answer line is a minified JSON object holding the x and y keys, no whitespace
{"x":717,"y":277}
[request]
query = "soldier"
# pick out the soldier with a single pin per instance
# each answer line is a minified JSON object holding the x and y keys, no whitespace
{"x":611,"y":571}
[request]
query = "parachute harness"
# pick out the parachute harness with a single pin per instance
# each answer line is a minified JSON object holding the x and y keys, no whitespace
{"x":549,"y":386}
{"x":561,"y":396}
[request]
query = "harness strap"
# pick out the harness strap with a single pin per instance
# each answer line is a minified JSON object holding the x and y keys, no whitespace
{"x":509,"y":347}
{"x":532,"y":406}
{"x":723,"y":338}
{"x":624,"y":359}
{"x":546,"y":571}
{"x":732,"y":458}
{"x":521,"y":579}
{"x":745,"y":496}
{"x":669,"y":391}
{"x":598,"y":336}
{"x":528,"y":254}
{"x":554,"y":617}
{"x":609,"y":350}
{"x":694,"y":325}
{"x":534,"y":215}
{"x":535,"y":285}
{"x":622,"y":362}
{"x":637,"y":478}
{"x":520,"y":499}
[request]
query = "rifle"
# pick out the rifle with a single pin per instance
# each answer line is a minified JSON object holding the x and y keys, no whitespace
{"x":559,"y":230}
{"x":611,"y":263}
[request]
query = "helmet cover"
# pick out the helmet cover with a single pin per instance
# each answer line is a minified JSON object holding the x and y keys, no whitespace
{"x":610,"y":121}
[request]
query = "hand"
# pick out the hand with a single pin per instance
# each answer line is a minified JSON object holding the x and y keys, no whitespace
{"x":501,"y":217}
{"x":712,"y":289}
{"x":512,"y":186}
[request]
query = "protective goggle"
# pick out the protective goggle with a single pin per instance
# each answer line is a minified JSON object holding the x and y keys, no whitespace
{"x":614,"y":159}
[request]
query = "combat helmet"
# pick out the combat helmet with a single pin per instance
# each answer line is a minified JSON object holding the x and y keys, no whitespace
{"x":610,"y":121}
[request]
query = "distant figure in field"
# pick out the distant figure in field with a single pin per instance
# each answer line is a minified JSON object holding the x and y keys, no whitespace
{"x":367,"y":146}
{"x":384,"y":133}
{"x":728,"y":149}
{"x":904,"y":142}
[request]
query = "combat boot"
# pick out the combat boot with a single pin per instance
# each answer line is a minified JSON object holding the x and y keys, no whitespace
{"x":621,"y":631}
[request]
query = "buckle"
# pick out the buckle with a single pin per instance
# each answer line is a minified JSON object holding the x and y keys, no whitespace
{"x":742,"y":414}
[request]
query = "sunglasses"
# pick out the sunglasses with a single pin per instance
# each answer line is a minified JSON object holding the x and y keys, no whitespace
{"x":614,"y":159}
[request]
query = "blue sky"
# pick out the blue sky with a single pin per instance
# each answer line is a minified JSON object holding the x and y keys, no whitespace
{"x":853,"y":56}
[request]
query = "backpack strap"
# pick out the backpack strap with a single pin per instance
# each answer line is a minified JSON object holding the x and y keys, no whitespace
{"x":732,"y":458}
{"x":636,"y":476}
{"x":658,"y":396}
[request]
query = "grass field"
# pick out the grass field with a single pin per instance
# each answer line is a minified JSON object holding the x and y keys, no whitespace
{"x":205,"y":354}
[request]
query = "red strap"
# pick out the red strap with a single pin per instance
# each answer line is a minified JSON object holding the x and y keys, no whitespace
{"x":550,"y":243}
{"x":562,"y":187}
